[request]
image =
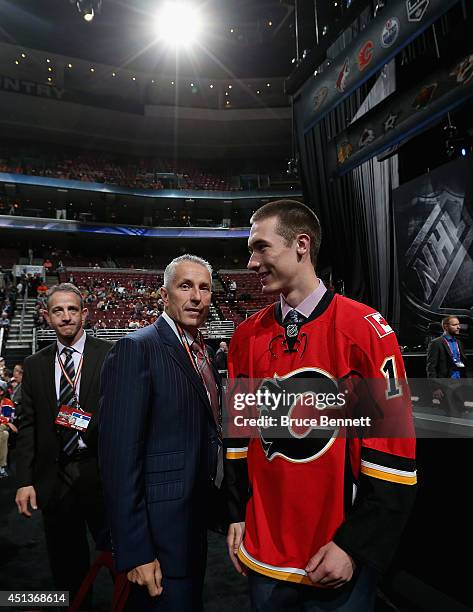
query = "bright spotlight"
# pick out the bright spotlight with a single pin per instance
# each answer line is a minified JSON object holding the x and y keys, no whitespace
{"x":178,"y":24}
{"x":89,"y":14}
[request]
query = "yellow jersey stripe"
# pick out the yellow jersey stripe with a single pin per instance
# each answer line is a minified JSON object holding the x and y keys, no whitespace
{"x":236,"y":453}
{"x":388,"y":476}
{"x":288,"y":574}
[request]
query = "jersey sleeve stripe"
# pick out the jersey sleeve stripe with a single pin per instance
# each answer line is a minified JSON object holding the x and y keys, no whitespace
{"x":236,"y":453}
{"x":388,"y":474}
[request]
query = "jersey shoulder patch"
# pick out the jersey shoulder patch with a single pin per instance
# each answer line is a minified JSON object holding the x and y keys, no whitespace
{"x":379,"y":324}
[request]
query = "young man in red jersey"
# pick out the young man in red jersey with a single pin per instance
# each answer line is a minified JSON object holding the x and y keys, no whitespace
{"x":305,"y":539}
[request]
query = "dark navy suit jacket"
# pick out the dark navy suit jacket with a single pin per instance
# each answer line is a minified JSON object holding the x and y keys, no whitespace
{"x":157,"y":451}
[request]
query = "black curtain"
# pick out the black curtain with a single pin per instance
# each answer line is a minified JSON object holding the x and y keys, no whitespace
{"x":335,"y":201}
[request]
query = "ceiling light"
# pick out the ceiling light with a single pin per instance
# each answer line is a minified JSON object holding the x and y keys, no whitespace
{"x":50,"y":69}
{"x":49,"y":79}
{"x":114,"y":74}
{"x":211,"y":86}
{"x":133,"y":78}
{"x":172,"y":82}
{"x":230,"y":86}
{"x":92,"y":70}
{"x":23,"y":55}
{"x":268,"y":84}
{"x":178,"y":23}
{"x":192,"y":84}
{"x":17,"y":62}
{"x":270,"y":23}
{"x":88,"y":8}
{"x":232,"y":30}
{"x":258,"y":91}
{"x":69,"y":65}
{"x":48,"y":60}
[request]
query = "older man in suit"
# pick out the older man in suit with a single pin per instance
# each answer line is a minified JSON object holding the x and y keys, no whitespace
{"x":160,"y":445}
{"x":57,"y":468}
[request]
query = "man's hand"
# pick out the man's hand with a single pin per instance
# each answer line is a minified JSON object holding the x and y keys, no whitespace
{"x":235,"y":535}
{"x":23,"y":496}
{"x":330,"y":567}
{"x":437,"y":394}
{"x":148,"y":575}
{"x":12,"y":427}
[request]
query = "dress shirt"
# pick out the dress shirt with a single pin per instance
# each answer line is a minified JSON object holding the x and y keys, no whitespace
{"x":308,"y":305}
{"x":78,"y":349}
{"x":455,"y":351}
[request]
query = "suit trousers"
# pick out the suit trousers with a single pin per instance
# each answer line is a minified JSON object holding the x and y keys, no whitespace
{"x":183,"y":594}
{"x":75,"y":505}
{"x":270,"y":595}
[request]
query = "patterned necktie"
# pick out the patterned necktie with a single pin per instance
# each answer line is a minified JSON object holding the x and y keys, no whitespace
{"x":294,"y":317}
{"x":207,"y":376}
{"x":211,"y":386}
{"x":69,"y":437}
{"x":66,"y":394}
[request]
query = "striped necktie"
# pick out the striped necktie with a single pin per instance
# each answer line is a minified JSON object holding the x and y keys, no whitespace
{"x":69,"y":437}
{"x":66,"y":393}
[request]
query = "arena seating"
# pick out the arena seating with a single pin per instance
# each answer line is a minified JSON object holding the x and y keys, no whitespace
{"x":248,"y":298}
{"x":138,"y":303}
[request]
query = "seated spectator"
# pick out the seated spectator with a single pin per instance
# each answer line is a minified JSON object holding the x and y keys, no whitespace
{"x":7,"y":416}
{"x":4,"y":321}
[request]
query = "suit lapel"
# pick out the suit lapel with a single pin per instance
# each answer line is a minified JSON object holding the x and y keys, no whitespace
{"x":179,"y":355}
{"x":49,"y":376}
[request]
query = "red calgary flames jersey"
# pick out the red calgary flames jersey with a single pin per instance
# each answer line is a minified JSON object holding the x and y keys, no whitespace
{"x":296,"y":495}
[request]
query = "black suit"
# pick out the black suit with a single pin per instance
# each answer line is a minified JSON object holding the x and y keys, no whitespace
{"x":68,"y":490}
{"x":158,"y":450}
{"x":440,"y":362}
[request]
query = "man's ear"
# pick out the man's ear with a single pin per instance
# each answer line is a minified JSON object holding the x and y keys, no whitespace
{"x":164,"y":295}
{"x":45,"y":314}
{"x":303,"y":245}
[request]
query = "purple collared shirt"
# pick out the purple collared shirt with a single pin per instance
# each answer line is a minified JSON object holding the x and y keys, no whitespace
{"x":307,"y":306}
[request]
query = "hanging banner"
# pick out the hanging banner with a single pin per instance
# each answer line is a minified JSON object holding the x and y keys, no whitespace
{"x":434,"y":232}
{"x":402,"y":115}
{"x":395,"y":27}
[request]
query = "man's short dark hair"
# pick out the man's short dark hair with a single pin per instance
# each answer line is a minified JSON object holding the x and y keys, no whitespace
{"x":65,"y":288}
{"x":446,"y":320}
{"x":294,"y":218}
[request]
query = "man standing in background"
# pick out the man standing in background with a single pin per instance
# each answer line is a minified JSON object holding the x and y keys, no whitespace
{"x":57,"y":468}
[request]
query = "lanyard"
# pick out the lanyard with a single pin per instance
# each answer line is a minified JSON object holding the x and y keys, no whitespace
{"x":72,"y":383}
{"x":450,"y":349}
{"x":187,"y":347}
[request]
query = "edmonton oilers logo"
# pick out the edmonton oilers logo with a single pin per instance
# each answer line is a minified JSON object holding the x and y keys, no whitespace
{"x":390,"y":32}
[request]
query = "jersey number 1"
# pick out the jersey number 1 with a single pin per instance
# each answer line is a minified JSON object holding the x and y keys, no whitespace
{"x":389,"y":371}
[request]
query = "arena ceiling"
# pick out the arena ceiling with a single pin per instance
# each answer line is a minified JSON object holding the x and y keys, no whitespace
{"x":241,"y":38}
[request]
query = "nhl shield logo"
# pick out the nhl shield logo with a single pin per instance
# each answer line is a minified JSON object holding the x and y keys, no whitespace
{"x":292,"y":331}
{"x":416,"y":9}
{"x":390,"y":32}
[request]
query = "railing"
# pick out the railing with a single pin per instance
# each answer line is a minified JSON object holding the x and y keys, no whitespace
{"x":2,"y":333}
{"x":23,"y":312}
{"x":213,"y":331}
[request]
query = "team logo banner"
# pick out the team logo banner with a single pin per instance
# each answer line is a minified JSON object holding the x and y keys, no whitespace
{"x":401,"y":116}
{"x":394,"y":28}
{"x":434,"y":230}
